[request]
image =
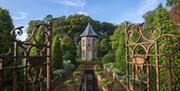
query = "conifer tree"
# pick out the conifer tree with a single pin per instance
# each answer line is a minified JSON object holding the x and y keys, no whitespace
{"x":57,"y":61}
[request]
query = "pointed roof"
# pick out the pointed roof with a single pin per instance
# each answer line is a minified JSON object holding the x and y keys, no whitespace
{"x":89,"y":31}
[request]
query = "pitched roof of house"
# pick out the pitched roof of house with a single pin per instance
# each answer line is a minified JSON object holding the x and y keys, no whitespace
{"x":89,"y":31}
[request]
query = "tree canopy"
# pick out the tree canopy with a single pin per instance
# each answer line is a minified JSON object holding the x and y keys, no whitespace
{"x":6,"y":25}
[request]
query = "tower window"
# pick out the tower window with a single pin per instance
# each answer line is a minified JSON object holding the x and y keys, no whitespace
{"x":94,"y":42}
{"x":89,"y":42}
{"x":83,"y":42}
{"x":83,"y":53}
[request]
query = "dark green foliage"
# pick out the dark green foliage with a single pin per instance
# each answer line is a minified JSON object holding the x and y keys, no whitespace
{"x":6,"y":25}
{"x":68,"y":48}
{"x":106,"y":82}
{"x":160,"y":18}
{"x":59,"y":26}
{"x":118,"y":43}
{"x":74,"y":25}
{"x":162,"y":21}
{"x":107,"y":29}
{"x":115,"y":37}
{"x":68,"y":42}
{"x":68,"y":56}
{"x":57,"y":61}
{"x":78,"y":51}
{"x":71,"y":82}
{"x":103,"y":47}
{"x":108,"y":58}
{"x":120,"y":52}
{"x":40,"y":40}
{"x":34,"y":51}
{"x":48,"y":18}
{"x":31,"y":25}
{"x":171,"y":2}
{"x":149,"y":18}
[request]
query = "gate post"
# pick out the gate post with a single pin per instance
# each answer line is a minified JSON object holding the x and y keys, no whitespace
{"x":1,"y":74}
{"x":157,"y":68}
{"x":14,"y":67}
{"x":126,"y":57}
{"x":49,"y":43}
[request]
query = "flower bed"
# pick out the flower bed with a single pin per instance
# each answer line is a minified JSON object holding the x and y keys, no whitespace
{"x":74,"y":83}
{"x":60,"y":74}
{"x":114,"y":72}
{"x":104,"y":83}
{"x":71,"y":84}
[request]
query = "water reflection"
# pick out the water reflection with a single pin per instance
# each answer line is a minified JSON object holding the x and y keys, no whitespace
{"x":89,"y":82}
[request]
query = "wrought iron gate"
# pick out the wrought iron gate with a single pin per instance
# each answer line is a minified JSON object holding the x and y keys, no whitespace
{"x":152,"y":59}
{"x":36,"y":69}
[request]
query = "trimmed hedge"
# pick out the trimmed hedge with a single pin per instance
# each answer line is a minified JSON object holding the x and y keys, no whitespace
{"x":108,"y":58}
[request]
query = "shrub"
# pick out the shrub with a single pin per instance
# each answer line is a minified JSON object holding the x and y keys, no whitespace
{"x":57,"y":61}
{"x":71,"y":82}
{"x":67,"y":65}
{"x":109,"y":65}
{"x":58,"y":72}
{"x":100,"y":73}
{"x":98,"y":68}
{"x":81,"y":67}
{"x":69,"y":56}
{"x":106,"y":82}
{"x":108,"y":58}
{"x":76,"y":73}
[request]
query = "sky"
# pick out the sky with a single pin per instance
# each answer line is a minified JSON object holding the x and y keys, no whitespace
{"x":114,"y":11}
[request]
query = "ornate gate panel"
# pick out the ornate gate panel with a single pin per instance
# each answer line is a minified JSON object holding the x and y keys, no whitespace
{"x":152,"y":59}
{"x":31,"y":58}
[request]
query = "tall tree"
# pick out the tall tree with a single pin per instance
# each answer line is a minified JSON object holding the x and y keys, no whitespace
{"x":76,"y":24}
{"x":48,"y":18}
{"x":59,"y":24}
{"x":103,"y":47}
{"x":149,"y":18}
{"x":118,"y":43}
{"x":162,"y":20}
{"x":68,"y":47}
{"x":6,"y":25}
{"x":57,"y":61}
{"x":107,"y":28}
{"x":31,"y":25}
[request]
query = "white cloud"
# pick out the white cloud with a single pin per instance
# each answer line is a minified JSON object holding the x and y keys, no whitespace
{"x":20,"y":15}
{"x":147,"y":5}
{"x":82,"y":12}
{"x":73,"y":3}
{"x":24,"y":36}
